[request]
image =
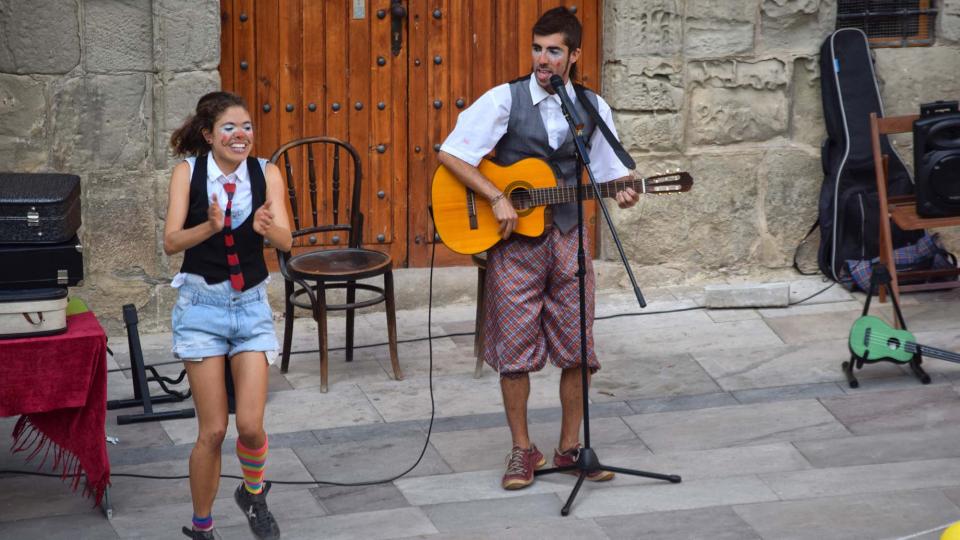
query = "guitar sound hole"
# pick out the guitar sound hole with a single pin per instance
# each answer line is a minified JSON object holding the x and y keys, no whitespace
{"x":520,"y":198}
{"x":893,"y":343}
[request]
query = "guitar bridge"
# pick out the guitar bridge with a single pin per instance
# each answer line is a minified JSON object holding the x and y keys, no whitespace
{"x":472,"y":209}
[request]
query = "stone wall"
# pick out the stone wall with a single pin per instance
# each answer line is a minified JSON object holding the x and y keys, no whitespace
{"x":94,"y":88}
{"x":730,"y":91}
{"x":727,"y":90}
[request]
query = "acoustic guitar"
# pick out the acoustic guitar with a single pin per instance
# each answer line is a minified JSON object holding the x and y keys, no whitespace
{"x":871,"y":339}
{"x":466,"y":223}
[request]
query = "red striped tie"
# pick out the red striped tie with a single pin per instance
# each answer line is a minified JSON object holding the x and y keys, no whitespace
{"x":236,"y":274}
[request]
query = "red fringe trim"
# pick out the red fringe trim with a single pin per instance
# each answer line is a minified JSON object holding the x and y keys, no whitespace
{"x":26,"y":436}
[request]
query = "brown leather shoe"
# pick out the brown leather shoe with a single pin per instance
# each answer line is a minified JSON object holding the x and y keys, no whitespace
{"x":520,"y":466}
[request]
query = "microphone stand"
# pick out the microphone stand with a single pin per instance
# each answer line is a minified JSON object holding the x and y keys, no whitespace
{"x":587,"y":460}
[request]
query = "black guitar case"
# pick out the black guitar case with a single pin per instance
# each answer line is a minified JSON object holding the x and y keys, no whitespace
{"x":849,"y":208}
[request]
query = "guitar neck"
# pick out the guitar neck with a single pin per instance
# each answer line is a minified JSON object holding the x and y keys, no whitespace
{"x":565,"y":194}
{"x":934,"y":352}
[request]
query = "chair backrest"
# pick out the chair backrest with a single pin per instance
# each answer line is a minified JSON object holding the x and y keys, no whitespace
{"x":317,"y":175}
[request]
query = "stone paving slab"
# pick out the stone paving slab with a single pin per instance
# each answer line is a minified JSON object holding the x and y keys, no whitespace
{"x":705,"y":464}
{"x":740,"y":425}
{"x":882,"y":448}
{"x":378,"y":525}
{"x":495,"y":514}
{"x":648,"y":374}
{"x":754,"y":367}
{"x":919,"y":408}
{"x":370,"y":460}
{"x":291,"y":410}
{"x":565,"y":529}
{"x":473,"y":486}
{"x":82,"y":526}
{"x":871,"y":515}
{"x":815,"y":327}
{"x":685,"y":339}
{"x":660,"y":496}
{"x":717,"y":523}
{"x":879,"y":478}
{"x":348,"y":500}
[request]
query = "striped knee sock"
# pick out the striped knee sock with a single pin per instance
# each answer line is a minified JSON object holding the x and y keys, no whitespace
{"x":253,"y":463}
{"x":202,"y":523}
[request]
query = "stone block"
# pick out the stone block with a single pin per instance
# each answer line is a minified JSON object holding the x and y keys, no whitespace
{"x":747,"y":295}
{"x":117,"y":36}
{"x":650,"y":132}
{"x":806,"y":115}
{"x":22,"y":114}
{"x":714,"y":38}
{"x":187,"y":35}
{"x":724,"y":11}
{"x":725,"y":116}
{"x":175,"y":99}
{"x":713,"y":226}
{"x":949,"y":21}
{"x":913,"y":75}
{"x":795,"y":26}
{"x":119,"y":225}
{"x":770,"y":74}
{"x":644,"y":85}
{"x":41,"y":36}
{"x":643,"y":28}
{"x":790,"y":181}
{"x":101,"y":122}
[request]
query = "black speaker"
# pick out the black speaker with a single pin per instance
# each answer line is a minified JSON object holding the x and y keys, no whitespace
{"x":936,"y":159}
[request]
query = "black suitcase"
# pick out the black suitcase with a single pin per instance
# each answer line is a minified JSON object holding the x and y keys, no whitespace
{"x":38,"y":207}
{"x":29,"y":266}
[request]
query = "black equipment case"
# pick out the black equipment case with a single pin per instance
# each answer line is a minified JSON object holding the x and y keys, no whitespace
{"x":38,"y":207}
{"x":936,"y":159}
{"x":849,"y":204}
{"x":29,"y":266}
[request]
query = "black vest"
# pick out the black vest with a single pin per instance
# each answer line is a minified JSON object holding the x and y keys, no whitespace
{"x":209,"y":258}
{"x":526,"y":136}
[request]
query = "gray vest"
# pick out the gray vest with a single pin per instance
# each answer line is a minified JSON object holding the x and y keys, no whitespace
{"x":527,"y":137}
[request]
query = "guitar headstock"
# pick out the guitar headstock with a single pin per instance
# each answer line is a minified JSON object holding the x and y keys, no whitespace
{"x":671,"y":182}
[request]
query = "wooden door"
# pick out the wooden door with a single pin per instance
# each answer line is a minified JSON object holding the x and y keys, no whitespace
{"x":334,"y":67}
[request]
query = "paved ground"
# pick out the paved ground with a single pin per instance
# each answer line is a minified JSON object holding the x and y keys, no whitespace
{"x":749,"y":406}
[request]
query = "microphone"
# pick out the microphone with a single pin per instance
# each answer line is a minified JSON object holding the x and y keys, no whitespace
{"x":557,"y":83}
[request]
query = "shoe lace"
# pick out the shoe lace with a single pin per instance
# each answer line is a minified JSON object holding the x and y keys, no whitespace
{"x":259,"y":513}
{"x":517,"y":464}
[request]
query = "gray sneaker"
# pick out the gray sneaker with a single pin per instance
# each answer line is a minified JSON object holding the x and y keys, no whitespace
{"x":198,"y":535}
{"x":259,"y":517}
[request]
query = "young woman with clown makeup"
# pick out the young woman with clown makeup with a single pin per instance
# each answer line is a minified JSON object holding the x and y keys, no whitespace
{"x":223,"y":203}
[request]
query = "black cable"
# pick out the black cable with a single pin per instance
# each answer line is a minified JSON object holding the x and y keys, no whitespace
{"x":423,"y":451}
{"x":432,"y":401}
{"x":458,"y":334}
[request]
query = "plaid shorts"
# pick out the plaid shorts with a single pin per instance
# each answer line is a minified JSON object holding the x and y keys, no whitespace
{"x":532,"y":303}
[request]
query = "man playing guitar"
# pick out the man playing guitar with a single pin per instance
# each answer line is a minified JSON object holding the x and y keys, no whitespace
{"x":532,"y":306}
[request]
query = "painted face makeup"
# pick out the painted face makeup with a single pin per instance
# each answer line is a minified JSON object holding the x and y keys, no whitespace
{"x":232,"y":137}
{"x":552,"y":57}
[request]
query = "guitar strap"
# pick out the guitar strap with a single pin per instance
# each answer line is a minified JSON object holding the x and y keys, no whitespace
{"x":607,"y":134}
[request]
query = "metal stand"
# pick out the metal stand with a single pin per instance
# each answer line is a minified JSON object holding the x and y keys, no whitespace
{"x":880,"y":277}
{"x":587,"y":460}
{"x":141,"y":390}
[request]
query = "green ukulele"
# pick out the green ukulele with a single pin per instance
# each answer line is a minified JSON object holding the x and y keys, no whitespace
{"x":872,"y":340}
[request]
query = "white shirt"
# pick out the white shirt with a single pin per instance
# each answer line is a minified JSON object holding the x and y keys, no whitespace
{"x":481,"y":126}
{"x":242,"y":206}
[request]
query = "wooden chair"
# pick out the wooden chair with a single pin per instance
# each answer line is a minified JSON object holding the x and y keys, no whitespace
{"x":310,"y":270}
{"x":902,"y":210}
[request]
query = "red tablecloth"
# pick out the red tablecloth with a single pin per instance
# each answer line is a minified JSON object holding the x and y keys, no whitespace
{"x":59,"y":386}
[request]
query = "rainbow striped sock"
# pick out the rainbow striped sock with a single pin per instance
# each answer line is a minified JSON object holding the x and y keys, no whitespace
{"x":202,"y":523}
{"x":252,"y":463}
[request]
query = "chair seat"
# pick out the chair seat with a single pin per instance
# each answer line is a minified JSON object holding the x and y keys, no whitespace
{"x":351,"y":263}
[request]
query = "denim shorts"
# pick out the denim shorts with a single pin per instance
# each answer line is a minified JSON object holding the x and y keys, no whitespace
{"x":215,"y":320}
